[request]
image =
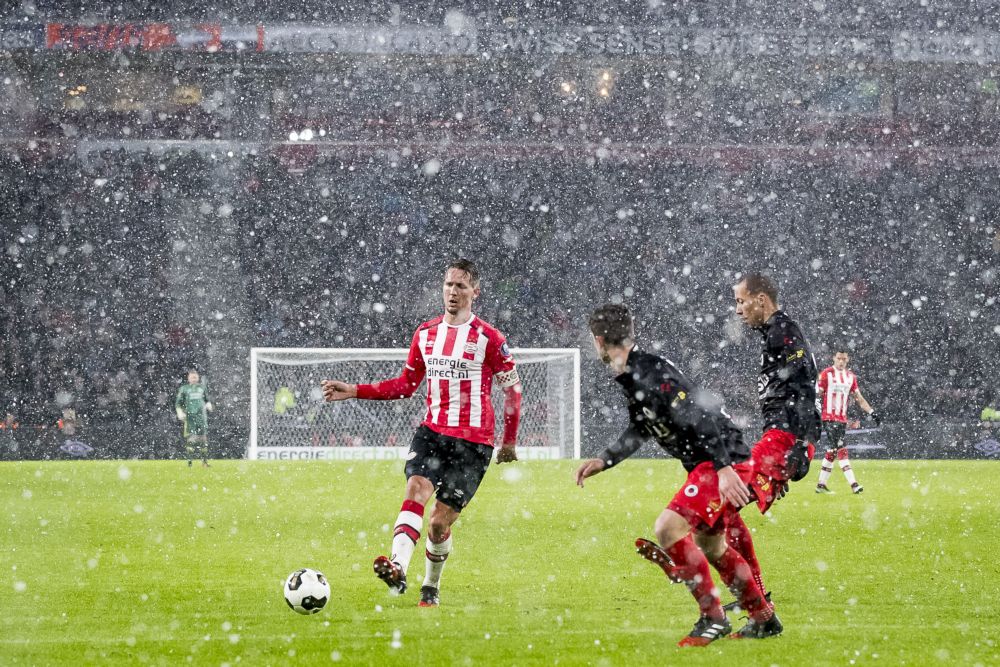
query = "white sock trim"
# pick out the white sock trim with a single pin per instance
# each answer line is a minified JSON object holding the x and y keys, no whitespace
{"x":439,"y":548}
{"x":411,"y":519}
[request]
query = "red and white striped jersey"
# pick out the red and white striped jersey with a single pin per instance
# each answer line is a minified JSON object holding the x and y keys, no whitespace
{"x":834,"y":388}
{"x":459,"y":362}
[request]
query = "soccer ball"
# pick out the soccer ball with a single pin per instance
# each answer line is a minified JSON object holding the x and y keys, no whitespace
{"x":307,"y":591}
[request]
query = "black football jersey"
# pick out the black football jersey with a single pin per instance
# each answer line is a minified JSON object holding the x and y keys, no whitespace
{"x":689,"y":424}
{"x":786,"y":386}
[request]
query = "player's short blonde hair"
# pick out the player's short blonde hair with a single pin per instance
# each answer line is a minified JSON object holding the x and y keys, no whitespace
{"x":758,"y":283}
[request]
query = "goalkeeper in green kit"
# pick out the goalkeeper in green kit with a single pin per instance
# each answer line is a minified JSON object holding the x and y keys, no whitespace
{"x":193,"y":406}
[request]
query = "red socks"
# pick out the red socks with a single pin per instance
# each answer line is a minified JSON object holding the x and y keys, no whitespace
{"x":736,"y":574}
{"x":691,"y":566}
{"x":738,"y":537}
{"x":406,"y":532}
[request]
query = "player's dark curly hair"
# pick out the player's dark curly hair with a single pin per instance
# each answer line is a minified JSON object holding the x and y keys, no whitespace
{"x":613,"y":322}
{"x":467,"y":266}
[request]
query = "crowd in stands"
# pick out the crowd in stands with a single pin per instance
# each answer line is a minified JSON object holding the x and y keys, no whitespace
{"x":84,"y":308}
{"x":958,"y":15}
{"x":827,"y":100}
{"x":571,"y":181}
{"x":899,"y":266}
{"x":658,"y":103}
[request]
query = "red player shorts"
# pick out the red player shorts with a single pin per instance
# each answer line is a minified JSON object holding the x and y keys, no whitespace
{"x":772,"y":467}
{"x":699,"y":502}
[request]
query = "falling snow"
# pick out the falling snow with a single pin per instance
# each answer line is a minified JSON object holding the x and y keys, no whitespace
{"x":226,"y":176}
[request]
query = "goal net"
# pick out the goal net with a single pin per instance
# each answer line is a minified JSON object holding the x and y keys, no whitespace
{"x":290,"y":420}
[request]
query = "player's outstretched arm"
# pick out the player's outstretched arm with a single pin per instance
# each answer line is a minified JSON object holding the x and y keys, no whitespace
{"x":588,"y":468}
{"x":403,"y":386}
{"x":628,"y":443}
{"x":335,"y":390}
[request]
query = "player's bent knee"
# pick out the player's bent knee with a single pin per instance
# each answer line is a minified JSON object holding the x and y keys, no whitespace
{"x":713,"y":545}
{"x":670,"y":528}
{"x":419,"y":488}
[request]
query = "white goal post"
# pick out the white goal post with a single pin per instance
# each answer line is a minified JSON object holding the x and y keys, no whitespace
{"x":290,"y":420}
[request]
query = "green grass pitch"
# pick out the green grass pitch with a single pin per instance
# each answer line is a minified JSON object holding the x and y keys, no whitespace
{"x":149,"y":562}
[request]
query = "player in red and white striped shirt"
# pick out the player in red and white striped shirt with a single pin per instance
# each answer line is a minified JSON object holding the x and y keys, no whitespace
{"x":835,"y":386}
{"x":461,"y":356}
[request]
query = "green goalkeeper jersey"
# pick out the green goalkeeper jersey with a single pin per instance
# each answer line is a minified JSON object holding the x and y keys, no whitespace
{"x":191,"y":398}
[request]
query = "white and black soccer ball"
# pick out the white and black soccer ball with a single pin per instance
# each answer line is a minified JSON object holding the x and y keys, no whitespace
{"x":307,"y":591}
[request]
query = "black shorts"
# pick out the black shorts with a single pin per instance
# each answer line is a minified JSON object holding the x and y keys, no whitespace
{"x":454,"y":466}
{"x":835,"y":432}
